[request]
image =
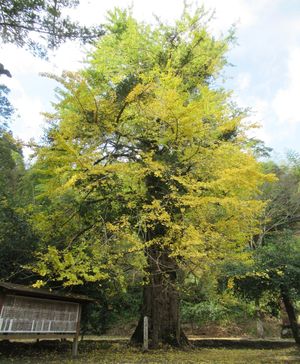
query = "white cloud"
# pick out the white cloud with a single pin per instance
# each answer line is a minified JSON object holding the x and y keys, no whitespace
{"x":243,"y":81}
{"x":31,"y":94}
{"x":259,"y":116}
{"x":230,"y":12}
{"x":19,"y":61}
{"x":30,"y":121}
{"x":287,"y":99}
{"x":29,"y":108}
{"x":243,"y":12}
{"x":95,"y":11}
{"x":68,"y":57}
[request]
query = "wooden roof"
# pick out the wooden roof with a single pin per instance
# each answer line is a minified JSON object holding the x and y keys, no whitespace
{"x":21,"y":290}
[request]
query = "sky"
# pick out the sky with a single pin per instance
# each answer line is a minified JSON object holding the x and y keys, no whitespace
{"x":264,"y":76}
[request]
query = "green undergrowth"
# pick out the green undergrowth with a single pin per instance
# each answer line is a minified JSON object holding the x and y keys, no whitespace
{"x":108,"y":353}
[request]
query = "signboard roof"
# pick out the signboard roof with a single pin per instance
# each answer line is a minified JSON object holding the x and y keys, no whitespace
{"x":19,"y":289}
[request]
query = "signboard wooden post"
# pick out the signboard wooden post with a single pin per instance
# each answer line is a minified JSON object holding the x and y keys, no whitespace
{"x":75,"y":340}
{"x":146,"y":333}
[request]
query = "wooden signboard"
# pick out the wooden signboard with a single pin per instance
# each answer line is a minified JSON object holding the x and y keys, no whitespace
{"x":33,"y":313}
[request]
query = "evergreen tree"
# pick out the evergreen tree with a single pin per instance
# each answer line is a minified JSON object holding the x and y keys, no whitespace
{"x":16,"y":238}
{"x":20,"y":19}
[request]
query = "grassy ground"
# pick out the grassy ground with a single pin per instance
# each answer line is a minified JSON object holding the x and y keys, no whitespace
{"x":115,"y":353}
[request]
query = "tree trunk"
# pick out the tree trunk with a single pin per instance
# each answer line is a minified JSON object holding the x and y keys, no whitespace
{"x":161,"y":302}
{"x":291,"y":314}
{"x":259,"y":322}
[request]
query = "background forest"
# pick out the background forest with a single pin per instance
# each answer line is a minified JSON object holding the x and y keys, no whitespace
{"x":146,"y":192}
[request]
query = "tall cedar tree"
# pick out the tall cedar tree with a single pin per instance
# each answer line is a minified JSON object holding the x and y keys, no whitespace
{"x":145,"y":168}
{"x":16,"y":240}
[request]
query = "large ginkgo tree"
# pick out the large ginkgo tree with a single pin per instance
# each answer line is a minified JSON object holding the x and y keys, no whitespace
{"x":145,"y":169}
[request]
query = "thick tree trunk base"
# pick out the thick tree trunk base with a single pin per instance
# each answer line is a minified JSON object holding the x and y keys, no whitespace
{"x":161,"y":304}
{"x":170,"y":338}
